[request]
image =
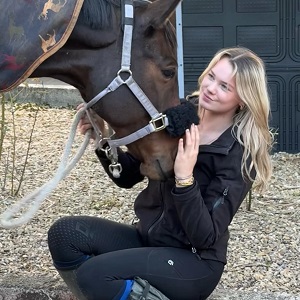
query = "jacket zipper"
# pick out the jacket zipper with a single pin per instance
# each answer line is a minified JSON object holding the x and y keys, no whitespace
{"x":155,"y":222}
{"x":158,"y":219}
{"x":194,"y":250}
{"x":217,"y":203}
{"x":221,"y":199}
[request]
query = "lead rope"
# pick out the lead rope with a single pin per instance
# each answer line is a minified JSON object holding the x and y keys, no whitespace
{"x":32,"y":202}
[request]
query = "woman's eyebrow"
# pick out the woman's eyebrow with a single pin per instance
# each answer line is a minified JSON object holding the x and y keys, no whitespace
{"x":230,"y":85}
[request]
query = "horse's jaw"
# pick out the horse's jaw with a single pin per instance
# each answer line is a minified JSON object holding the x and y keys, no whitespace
{"x":156,"y":170}
{"x":157,"y":156}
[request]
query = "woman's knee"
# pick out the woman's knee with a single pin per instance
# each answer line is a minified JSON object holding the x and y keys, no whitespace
{"x":59,"y":231}
{"x":67,"y":242}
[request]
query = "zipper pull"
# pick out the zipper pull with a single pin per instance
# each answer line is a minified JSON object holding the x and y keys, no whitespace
{"x":195,"y":252}
{"x":225,"y":192}
{"x":221,"y":199}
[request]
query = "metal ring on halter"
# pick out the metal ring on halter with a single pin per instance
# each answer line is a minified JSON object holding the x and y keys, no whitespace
{"x":108,"y":152}
{"x":123,"y":70}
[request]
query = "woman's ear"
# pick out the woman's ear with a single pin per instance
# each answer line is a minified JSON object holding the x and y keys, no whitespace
{"x":242,"y":105}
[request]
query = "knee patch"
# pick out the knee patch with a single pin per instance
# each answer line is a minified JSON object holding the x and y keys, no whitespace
{"x":68,"y":240}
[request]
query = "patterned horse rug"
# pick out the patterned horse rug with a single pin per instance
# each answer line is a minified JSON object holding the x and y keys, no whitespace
{"x":30,"y":32}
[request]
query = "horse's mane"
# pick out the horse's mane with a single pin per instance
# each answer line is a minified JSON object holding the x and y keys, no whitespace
{"x":98,"y":14}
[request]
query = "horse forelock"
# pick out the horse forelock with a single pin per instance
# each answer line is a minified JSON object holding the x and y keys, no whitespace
{"x":171,"y":37}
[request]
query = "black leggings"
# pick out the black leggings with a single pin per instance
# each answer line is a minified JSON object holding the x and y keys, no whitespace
{"x":106,"y":253}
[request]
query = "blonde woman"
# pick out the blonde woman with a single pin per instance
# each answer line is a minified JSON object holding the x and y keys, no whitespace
{"x":180,"y":242}
{"x":249,"y":121}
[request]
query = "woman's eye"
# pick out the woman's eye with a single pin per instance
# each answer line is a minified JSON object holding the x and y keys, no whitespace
{"x":168,"y":73}
{"x":210,"y":76}
{"x":224,"y":87}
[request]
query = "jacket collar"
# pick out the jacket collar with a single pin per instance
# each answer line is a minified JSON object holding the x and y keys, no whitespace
{"x":222,"y":145}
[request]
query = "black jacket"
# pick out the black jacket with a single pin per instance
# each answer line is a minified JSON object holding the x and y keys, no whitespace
{"x":197,"y":216}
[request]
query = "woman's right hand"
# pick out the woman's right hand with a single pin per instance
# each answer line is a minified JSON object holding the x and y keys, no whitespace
{"x":187,"y":153}
{"x":84,"y":124}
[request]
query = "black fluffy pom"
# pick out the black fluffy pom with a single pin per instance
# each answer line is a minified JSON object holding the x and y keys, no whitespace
{"x":181,"y":117}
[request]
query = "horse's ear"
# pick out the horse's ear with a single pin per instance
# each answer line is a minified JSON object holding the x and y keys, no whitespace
{"x":159,"y":11}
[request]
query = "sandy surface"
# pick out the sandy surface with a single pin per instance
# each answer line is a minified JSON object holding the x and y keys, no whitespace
{"x":264,"y":248}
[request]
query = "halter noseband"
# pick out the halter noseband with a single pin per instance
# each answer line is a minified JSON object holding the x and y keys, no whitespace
{"x":158,"y":120}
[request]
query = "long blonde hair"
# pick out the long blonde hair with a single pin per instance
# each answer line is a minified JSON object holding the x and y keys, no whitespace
{"x":251,"y":122}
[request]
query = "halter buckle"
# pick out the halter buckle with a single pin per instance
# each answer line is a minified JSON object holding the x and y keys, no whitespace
{"x":160,"y":122}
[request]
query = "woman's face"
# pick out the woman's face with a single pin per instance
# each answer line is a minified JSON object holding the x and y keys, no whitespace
{"x":218,"y":91}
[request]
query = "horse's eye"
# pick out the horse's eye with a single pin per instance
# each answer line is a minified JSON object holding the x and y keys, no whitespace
{"x":168,"y":73}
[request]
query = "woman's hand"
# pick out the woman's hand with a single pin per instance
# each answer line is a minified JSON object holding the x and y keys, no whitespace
{"x":187,"y":153}
{"x":84,"y":124}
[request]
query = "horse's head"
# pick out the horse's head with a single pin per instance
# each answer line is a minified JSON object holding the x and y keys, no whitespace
{"x":91,"y":59}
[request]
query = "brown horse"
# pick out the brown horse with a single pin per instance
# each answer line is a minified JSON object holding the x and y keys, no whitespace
{"x":91,"y":58}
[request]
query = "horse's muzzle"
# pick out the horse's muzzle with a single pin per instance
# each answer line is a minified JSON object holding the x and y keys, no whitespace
{"x":181,"y":117}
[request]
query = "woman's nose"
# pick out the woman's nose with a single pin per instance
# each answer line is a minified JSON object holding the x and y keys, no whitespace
{"x":212,"y":87}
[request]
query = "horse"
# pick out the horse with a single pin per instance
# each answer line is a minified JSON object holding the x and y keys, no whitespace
{"x":93,"y":56}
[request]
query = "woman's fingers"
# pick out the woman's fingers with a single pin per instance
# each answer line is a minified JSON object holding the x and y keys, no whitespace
{"x":79,"y":106}
{"x":192,"y":139}
{"x":187,"y":152}
{"x":196,"y":138}
{"x":85,"y":124}
{"x":180,"y":150}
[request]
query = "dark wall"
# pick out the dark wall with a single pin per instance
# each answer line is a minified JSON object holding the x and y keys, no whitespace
{"x":271,"y":28}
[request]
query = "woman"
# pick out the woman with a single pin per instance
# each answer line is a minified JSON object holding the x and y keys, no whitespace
{"x":180,"y":241}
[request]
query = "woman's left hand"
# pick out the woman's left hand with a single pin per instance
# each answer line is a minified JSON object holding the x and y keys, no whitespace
{"x":187,"y":153}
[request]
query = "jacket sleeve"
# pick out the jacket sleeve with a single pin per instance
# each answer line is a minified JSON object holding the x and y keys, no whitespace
{"x":130,"y":174}
{"x":205,"y":218}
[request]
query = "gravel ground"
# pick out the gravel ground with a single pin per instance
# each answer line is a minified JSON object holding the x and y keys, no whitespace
{"x":265,"y":242}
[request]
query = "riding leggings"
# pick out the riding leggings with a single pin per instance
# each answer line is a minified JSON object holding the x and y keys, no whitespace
{"x":106,"y":253}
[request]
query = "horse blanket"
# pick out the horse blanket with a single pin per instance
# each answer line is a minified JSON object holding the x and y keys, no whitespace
{"x":30,"y":32}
